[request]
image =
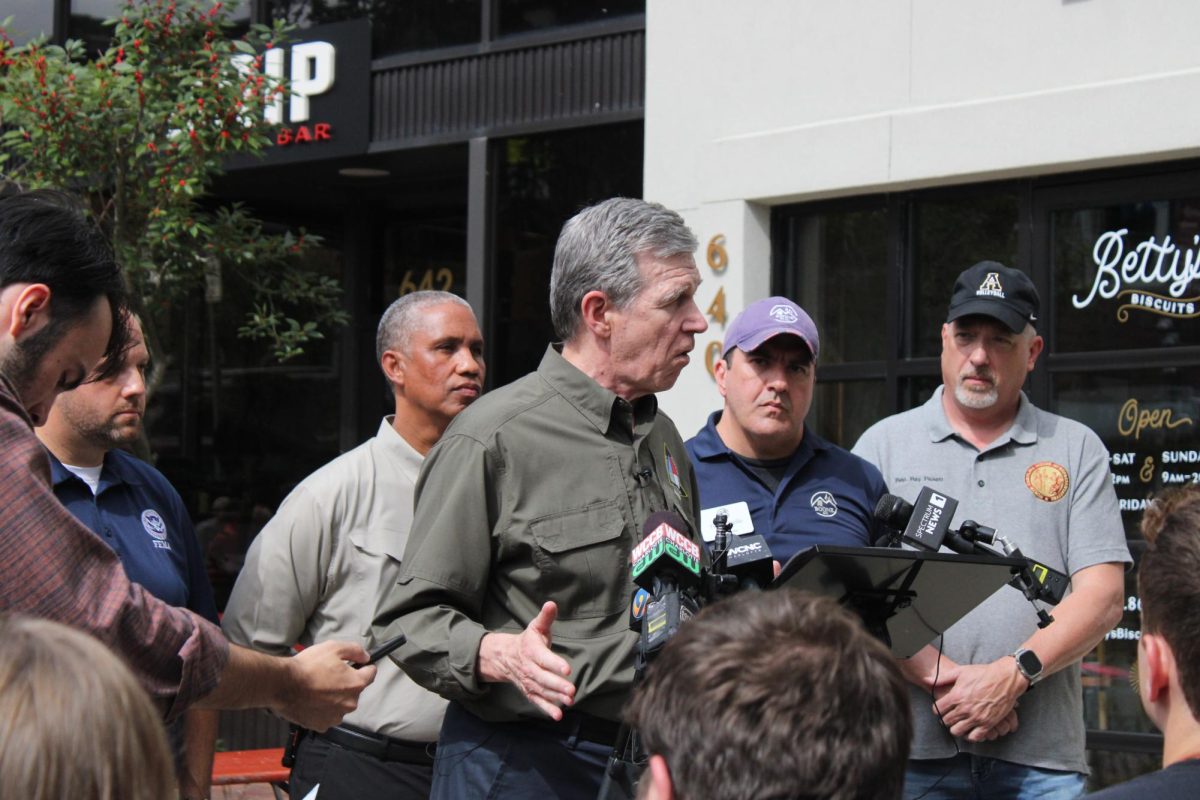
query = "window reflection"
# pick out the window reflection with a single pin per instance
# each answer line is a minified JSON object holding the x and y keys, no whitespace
{"x":542,"y":182}
{"x":948,"y":236}
{"x":519,"y":16}
{"x":842,"y":410}
{"x":397,"y":26}
{"x":839,"y":265}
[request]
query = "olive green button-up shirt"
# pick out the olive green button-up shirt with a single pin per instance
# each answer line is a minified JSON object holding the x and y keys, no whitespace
{"x":536,"y":492}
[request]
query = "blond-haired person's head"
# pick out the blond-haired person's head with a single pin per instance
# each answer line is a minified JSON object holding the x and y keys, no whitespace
{"x":73,"y":720}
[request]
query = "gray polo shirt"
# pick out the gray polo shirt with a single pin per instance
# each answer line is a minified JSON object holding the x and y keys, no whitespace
{"x":1044,"y":485}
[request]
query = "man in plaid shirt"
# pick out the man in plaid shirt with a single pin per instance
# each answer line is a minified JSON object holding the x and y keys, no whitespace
{"x":61,"y":301}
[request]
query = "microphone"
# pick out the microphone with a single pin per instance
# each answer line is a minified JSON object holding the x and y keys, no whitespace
{"x":666,"y":567}
{"x":925,"y":524}
{"x":749,"y":560}
{"x":665,"y":552}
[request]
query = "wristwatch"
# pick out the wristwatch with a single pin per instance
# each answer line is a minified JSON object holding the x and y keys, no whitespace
{"x":1029,"y":665}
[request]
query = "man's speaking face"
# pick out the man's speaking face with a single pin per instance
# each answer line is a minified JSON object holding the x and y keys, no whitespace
{"x":652,"y":337}
{"x":54,"y":359}
{"x":108,"y":413}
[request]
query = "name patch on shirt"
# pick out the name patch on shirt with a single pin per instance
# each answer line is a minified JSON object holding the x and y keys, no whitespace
{"x":739,"y":518}
{"x":823,"y":503}
{"x":153,"y":522}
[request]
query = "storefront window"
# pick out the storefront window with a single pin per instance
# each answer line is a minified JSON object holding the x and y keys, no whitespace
{"x":1149,"y":419}
{"x":426,"y":251}
{"x":1123,"y":275}
{"x":543,"y":181}
{"x":840,"y":272}
{"x":397,"y":26}
{"x":30,"y":19}
{"x":842,"y":410}
{"x":519,"y":16}
{"x":950,"y":235}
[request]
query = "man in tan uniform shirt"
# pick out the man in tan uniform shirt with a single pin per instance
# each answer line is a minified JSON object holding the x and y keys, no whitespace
{"x":336,"y":542}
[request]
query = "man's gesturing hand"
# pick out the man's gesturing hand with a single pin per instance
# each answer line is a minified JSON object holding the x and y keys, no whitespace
{"x":526,"y":661}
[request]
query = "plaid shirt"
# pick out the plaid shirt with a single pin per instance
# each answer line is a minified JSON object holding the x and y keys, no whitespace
{"x":52,"y":566}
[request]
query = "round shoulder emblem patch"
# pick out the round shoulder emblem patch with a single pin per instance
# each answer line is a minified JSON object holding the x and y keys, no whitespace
{"x":152,"y":521}
{"x":823,"y":503}
{"x":1048,"y":481}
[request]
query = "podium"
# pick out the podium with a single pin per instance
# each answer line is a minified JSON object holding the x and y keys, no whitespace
{"x":906,"y":598}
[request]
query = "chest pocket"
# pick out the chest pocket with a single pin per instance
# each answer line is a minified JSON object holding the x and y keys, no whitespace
{"x":582,"y":559}
{"x":371,"y":567}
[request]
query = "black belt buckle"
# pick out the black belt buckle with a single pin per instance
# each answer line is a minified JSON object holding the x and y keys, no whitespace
{"x":295,"y":734}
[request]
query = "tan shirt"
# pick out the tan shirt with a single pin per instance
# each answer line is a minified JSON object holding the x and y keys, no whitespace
{"x":314,"y":571}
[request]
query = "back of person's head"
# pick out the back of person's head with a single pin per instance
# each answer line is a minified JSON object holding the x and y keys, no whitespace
{"x":1169,"y":581}
{"x":773,"y":695}
{"x":46,"y":238}
{"x":597,"y":251}
{"x":74,"y":723}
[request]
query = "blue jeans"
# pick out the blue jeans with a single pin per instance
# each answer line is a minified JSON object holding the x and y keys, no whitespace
{"x":968,"y":777}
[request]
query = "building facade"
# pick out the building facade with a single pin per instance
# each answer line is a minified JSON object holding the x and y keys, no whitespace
{"x":857,"y":156}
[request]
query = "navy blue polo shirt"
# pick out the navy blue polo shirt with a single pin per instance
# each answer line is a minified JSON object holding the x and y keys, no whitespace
{"x":140,"y":516}
{"x":827,"y":495}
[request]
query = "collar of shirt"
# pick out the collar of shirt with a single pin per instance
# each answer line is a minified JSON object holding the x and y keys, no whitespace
{"x":709,"y":445}
{"x":396,"y":449}
{"x":113,"y":474}
{"x":1022,"y":431}
{"x":598,"y":405}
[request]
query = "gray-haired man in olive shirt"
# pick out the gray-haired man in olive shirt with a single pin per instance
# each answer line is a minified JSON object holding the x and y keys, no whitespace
{"x":515,"y":584}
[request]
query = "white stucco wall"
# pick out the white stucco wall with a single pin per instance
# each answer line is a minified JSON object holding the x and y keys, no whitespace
{"x":763,"y":102}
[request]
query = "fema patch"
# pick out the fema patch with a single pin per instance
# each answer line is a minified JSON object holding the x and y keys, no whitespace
{"x":783,"y":313}
{"x":152,"y":521}
{"x":823,"y":503}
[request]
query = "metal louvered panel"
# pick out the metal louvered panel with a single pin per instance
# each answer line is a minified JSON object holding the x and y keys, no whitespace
{"x":581,"y":82}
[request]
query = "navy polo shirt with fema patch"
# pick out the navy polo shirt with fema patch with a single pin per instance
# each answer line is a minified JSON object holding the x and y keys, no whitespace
{"x":140,"y":516}
{"x":825,"y":494}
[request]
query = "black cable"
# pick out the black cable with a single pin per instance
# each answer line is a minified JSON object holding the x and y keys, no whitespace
{"x":937,"y":671}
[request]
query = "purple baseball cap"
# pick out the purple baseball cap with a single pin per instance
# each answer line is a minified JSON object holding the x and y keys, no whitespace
{"x":765,"y":319}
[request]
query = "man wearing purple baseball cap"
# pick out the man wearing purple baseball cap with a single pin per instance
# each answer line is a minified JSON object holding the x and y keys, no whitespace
{"x":758,"y":463}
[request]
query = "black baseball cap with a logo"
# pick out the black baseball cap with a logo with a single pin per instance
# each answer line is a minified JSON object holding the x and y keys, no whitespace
{"x":994,"y":290}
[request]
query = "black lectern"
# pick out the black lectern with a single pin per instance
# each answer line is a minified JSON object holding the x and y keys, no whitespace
{"x":905,"y":597}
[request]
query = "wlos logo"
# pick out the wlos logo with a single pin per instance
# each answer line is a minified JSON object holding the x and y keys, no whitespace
{"x":782,"y":313}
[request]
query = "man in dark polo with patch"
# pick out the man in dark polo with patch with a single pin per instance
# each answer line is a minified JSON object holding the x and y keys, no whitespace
{"x":1044,"y":482}
{"x":758,"y":463}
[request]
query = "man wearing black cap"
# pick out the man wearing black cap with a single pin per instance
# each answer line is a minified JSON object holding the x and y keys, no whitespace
{"x":1043,"y":481}
{"x":758,"y":463}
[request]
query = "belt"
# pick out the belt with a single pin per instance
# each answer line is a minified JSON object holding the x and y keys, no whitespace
{"x":385,"y":748}
{"x":581,"y":725}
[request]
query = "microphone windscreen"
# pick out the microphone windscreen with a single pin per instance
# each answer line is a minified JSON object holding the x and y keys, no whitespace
{"x":893,"y":511}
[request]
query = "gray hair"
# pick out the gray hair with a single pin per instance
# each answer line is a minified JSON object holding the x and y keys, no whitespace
{"x":397,"y":324}
{"x":598,"y":249}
